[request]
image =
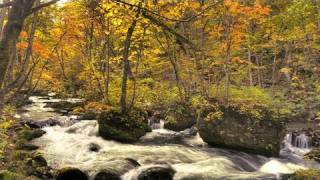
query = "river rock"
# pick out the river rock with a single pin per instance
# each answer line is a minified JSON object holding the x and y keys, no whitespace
{"x":64,"y":105}
{"x":41,"y":123}
{"x":8,"y":175}
{"x":127,"y":128}
{"x":315,"y":135}
{"x":70,"y":173}
{"x":89,"y":115}
{"x":179,"y":116}
{"x":157,"y":173}
{"x":106,"y":175}
{"x":94,"y":147}
{"x":133,"y":162}
{"x":314,"y":154}
{"x":30,"y":134}
{"x":229,"y":128}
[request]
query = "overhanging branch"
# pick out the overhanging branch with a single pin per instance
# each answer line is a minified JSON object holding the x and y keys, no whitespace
{"x":37,"y":8}
{"x":6,"y":4}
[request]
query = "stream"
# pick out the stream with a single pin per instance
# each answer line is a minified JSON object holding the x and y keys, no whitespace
{"x":68,"y":145}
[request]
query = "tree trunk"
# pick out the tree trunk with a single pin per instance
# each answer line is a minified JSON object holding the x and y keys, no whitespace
{"x":18,"y":13}
{"x":274,"y":71}
{"x":126,"y":66}
{"x":250,"y":67}
{"x":3,"y":13}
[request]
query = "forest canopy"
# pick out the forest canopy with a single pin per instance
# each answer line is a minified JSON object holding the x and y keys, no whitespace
{"x":246,"y":53}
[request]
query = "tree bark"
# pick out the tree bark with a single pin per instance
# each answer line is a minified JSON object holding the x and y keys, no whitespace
{"x":18,"y":13}
{"x":3,"y":13}
{"x":250,"y":67}
{"x":126,"y":65}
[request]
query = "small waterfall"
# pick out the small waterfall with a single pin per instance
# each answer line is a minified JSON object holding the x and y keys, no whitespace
{"x":302,"y":141}
{"x":156,"y":124}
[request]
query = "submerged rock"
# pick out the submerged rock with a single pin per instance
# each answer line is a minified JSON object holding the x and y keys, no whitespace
{"x":179,"y":116}
{"x":106,"y":175}
{"x":123,"y":127}
{"x":94,"y":147}
{"x":133,"y":162}
{"x":157,"y":173}
{"x":231,"y":129}
{"x":71,"y":174}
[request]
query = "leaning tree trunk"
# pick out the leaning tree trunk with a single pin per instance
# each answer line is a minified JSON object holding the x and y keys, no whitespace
{"x":17,"y":15}
{"x":126,"y":67}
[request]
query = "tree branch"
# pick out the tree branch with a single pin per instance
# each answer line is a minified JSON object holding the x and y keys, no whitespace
{"x":37,"y":8}
{"x":171,"y":19}
{"x":6,"y":4}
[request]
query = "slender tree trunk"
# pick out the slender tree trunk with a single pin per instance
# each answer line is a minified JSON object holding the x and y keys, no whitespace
{"x":258,"y":71}
{"x":274,"y":71}
{"x":140,"y":56}
{"x":126,"y":65}
{"x":250,"y":67}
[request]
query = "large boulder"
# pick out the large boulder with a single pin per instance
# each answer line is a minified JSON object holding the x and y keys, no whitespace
{"x":180,"y":116}
{"x":228,"y":127}
{"x":71,"y":174}
{"x":127,"y":128}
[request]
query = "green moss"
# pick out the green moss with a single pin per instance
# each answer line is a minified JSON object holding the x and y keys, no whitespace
{"x":310,"y":174}
{"x":123,"y":127}
{"x":180,"y":116}
{"x":30,"y":134}
{"x":8,"y":175}
{"x":20,"y":155}
{"x":314,"y":155}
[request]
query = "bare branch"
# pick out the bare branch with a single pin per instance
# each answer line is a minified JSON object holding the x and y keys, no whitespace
{"x":6,"y":4}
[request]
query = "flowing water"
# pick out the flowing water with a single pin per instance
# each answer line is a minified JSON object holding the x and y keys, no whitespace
{"x":68,"y":145}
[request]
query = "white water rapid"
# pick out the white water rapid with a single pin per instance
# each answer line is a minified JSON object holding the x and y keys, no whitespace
{"x":190,"y":157}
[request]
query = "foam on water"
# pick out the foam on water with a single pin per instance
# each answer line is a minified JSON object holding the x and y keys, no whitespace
{"x":190,"y":156}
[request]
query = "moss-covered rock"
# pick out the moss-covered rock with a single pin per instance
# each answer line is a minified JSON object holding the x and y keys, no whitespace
{"x":310,"y":174}
{"x":127,"y":128}
{"x":228,"y":127}
{"x":179,"y":117}
{"x":65,"y":105}
{"x":314,"y":154}
{"x":8,"y":175}
{"x":30,"y":134}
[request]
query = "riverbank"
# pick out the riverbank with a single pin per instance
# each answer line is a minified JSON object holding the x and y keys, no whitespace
{"x":19,"y":158}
